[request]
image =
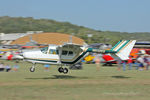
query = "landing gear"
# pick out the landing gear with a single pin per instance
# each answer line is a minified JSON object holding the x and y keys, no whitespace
{"x":60,"y":69}
{"x":63,"y":70}
{"x":32,"y":69}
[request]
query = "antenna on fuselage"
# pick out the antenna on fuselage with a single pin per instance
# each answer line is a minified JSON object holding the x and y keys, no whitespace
{"x":71,"y":38}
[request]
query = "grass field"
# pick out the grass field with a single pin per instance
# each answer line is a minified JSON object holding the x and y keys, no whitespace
{"x":86,"y":84}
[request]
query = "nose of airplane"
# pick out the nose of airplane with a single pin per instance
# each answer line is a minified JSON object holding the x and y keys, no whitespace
{"x":30,"y":54}
{"x":26,"y":54}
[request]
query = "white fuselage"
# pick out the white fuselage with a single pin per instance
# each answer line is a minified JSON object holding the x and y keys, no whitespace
{"x":50,"y":55}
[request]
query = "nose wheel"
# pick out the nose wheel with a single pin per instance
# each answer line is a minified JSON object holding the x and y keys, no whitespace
{"x":63,"y":70}
{"x":32,"y":69}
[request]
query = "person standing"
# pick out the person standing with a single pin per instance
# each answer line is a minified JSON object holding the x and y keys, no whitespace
{"x":46,"y":66}
{"x":119,"y":62}
{"x":15,"y":67}
{"x":124,"y":62}
{"x":130,"y":63}
{"x":2,"y":67}
{"x":140,"y":60}
{"x":8,"y":68}
{"x":97,"y":62}
{"x":146,"y":62}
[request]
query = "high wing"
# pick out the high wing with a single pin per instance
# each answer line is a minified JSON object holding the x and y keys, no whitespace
{"x":70,"y":45}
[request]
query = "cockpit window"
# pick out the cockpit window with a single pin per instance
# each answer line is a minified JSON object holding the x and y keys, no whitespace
{"x":44,"y":50}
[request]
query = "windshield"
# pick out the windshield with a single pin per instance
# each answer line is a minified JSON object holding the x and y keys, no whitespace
{"x":44,"y":50}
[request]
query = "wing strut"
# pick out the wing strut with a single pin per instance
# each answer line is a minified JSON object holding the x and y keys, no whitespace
{"x":59,"y":55}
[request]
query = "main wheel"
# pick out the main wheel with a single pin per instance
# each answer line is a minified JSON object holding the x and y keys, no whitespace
{"x":32,"y":69}
{"x":65,"y":70}
{"x":60,"y":69}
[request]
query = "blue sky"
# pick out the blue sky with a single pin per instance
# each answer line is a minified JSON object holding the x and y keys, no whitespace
{"x":105,"y":15}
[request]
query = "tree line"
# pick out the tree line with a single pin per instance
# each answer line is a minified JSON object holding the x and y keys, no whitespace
{"x":22,"y":25}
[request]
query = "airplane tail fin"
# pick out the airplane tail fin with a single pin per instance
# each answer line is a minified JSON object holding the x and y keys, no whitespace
{"x":123,"y":48}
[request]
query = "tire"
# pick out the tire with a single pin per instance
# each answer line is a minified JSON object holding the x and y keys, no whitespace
{"x":65,"y":71}
{"x":60,"y":69}
{"x":32,"y":69}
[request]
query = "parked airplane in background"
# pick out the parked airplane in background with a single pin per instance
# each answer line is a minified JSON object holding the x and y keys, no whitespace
{"x":70,"y":54}
{"x":10,"y":54}
{"x":108,"y":60}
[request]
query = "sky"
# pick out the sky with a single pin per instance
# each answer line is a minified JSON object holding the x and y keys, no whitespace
{"x":104,"y":15}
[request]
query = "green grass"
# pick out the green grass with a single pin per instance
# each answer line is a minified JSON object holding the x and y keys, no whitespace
{"x":86,"y":84}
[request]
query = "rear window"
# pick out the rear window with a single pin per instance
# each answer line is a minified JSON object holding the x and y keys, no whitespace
{"x":64,"y":52}
{"x":70,"y":53}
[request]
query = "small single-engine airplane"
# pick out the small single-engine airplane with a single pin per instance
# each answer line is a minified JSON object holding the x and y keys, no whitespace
{"x":70,"y":54}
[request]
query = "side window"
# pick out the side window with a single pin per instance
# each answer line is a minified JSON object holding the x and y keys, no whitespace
{"x":70,"y":53}
{"x":52,"y":51}
{"x":64,"y":52}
